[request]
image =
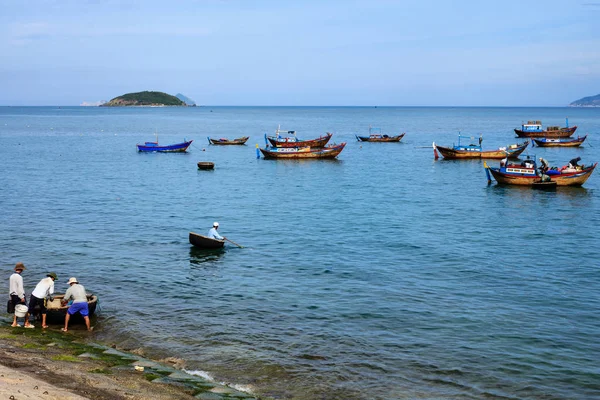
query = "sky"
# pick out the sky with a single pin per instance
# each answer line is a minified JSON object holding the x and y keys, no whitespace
{"x":301,"y":53}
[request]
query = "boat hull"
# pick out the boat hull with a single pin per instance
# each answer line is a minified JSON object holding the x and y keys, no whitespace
{"x":305,"y":153}
{"x":527,"y":176}
{"x":380,"y":138}
{"x":204,"y":242}
{"x":560,"y":133}
{"x":318,"y":142}
{"x":56,"y":312}
{"x":453,"y":154}
{"x":151,"y":147}
{"x":227,"y":142}
{"x":559,"y":142}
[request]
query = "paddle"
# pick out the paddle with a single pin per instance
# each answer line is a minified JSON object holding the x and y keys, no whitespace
{"x":241,"y":247}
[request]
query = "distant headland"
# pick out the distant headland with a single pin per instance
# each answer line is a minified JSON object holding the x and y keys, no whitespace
{"x":590,"y":101}
{"x":148,"y":99}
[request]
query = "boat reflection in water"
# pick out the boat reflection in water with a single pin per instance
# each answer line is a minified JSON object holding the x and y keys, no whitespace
{"x":205,"y":257}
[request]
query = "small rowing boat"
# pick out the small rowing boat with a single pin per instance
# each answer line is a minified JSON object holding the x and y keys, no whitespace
{"x":225,"y":141}
{"x":205,"y":242}
{"x":206,"y":165}
{"x":56,"y":312}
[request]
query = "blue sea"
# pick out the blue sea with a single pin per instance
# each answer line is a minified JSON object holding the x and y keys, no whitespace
{"x":382,"y":274}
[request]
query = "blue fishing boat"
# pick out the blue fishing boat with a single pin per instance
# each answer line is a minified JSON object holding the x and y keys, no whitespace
{"x":534,"y":129}
{"x":170,"y":148}
{"x":559,"y":142}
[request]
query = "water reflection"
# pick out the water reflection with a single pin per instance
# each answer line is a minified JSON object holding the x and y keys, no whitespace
{"x":562,"y":192}
{"x":205,"y":257}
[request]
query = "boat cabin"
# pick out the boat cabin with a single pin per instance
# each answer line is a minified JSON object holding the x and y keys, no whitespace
{"x":305,"y":149}
{"x":375,"y":133}
{"x":525,"y":167}
{"x":532,"y":126}
{"x":291,"y":135}
{"x":471,"y":146}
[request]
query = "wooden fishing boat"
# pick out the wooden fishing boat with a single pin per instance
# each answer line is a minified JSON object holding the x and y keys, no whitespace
{"x":303,"y":152}
{"x":559,"y":142}
{"x":225,"y":141}
{"x":205,"y":242}
{"x":149,"y":147}
{"x":289,"y":139}
{"x":534,"y":129}
{"x":376,"y":136}
{"x":475,"y":150}
{"x":56,"y":312}
{"x":526,"y":174}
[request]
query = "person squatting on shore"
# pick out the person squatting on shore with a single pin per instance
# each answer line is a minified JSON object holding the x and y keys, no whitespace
{"x":44,"y":289}
{"x":80,"y":303}
{"x":17,"y":292}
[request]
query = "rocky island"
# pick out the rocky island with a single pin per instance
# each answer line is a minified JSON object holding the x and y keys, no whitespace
{"x":590,"y":101}
{"x":147,"y":99}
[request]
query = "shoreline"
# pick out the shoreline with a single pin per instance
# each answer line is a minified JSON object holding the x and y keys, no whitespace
{"x":49,"y":364}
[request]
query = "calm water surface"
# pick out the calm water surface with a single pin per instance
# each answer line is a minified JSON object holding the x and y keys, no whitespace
{"x":380,"y":275}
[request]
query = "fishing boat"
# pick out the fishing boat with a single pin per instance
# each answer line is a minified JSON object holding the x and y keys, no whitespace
{"x":205,"y":242}
{"x":526,"y":174}
{"x":376,"y":136}
{"x":559,"y":142}
{"x":472,"y":150}
{"x":289,"y":139}
{"x":225,"y":141}
{"x":534,"y":129}
{"x":303,"y":152}
{"x":149,"y":147}
{"x":56,"y":312}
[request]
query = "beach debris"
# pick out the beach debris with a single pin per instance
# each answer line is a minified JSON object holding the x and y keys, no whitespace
{"x":139,"y":368}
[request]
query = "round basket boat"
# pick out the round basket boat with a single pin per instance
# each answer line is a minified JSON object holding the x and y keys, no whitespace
{"x":56,"y":312}
{"x":206,"y":165}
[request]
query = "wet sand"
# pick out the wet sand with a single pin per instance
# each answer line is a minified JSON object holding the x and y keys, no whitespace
{"x":49,"y":364}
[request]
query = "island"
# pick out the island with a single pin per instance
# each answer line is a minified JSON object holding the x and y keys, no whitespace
{"x":145,"y":99}
{"x":590,"y":101}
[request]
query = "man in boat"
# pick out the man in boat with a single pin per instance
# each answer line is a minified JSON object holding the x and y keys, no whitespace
{"x":543,"y":165}
{"x":76,"y":291}
{"x":573,"y":162}
{"x":17,"y":293}
{"x":44,"y":289}
{"x":213,"y":234}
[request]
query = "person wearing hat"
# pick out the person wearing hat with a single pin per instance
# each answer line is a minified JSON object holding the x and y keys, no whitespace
{"x":76,"y":291}
{"x":213,"y":234}
{"x":17,"y":293}
{"x":573,"y":162}
{"x":44,"y":289}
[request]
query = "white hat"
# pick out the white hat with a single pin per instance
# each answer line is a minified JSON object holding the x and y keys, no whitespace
{"x":73,"y":280}
{"x":215,"y":224}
